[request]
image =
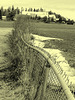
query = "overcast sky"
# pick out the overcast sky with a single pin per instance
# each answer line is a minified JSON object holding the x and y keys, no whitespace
{"x":64,"y":7}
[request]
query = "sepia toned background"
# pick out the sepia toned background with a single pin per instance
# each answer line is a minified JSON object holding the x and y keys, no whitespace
{"x":64,"y":7}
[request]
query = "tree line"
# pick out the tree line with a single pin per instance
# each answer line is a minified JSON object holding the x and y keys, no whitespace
{"x":10,"y":12}
{"x":61,"y":18}
{"x":58,"y":18}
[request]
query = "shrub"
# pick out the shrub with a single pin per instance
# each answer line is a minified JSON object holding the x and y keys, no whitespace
{"x":0,"y":14}
{"x":44,"y":19}
{"x":21,"y":70}
{"x":15,"y":55}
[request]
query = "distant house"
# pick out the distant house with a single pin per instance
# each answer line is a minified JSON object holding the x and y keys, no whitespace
{"x":42,"y":14}
{"x":3,"y":17}
{"x":33,"y":14}
{"x":52,"y":16}
{"x":57,"y":19}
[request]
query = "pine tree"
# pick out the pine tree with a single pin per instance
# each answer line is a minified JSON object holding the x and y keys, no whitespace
{"x":12,"y":8}
{"x":0,"y":14}
{"x":2,"y":10}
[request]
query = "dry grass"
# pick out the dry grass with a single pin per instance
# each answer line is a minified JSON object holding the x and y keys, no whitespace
{"x":16,"y":85}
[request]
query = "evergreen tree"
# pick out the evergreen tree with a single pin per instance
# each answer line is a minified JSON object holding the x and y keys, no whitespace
{"x":12,"y":8}
{"x":17,"y":10}
{"x":22,"y":9}
{"x":34,"y":10}
{"x":41,"y":9}
{"x":9,"y":9}
{"x":2,"y":10}
{"x":0,"y":14}
{"x":50,"y":12}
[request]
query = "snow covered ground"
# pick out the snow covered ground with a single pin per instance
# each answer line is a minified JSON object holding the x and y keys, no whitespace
{"x":56,"y":57}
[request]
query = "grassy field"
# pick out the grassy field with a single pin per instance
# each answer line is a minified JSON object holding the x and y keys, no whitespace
{"x":6,"y":24}
{"x":10,"y":87}
{"x":63,"y":31}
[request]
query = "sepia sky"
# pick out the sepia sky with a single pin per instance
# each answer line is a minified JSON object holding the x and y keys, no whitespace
{"x":64,"y":7}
